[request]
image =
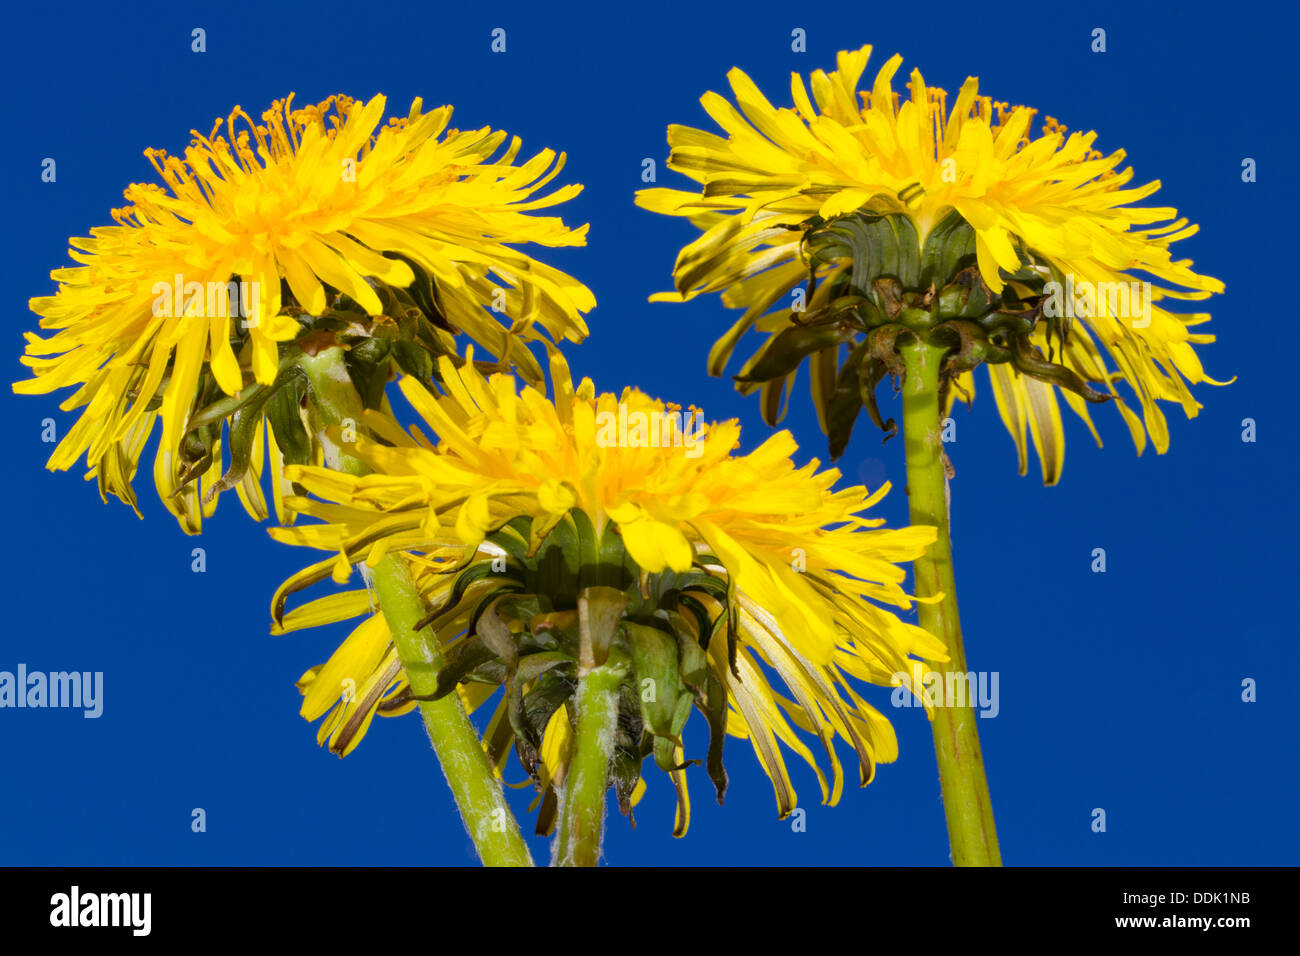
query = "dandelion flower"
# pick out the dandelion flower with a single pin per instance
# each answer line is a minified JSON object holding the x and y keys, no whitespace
{"x":744,"y":586}
{"x":960,"y":224}
{"x":318,"y":221}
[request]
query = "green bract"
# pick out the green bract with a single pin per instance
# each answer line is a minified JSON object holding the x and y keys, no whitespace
{"x":555,"y":606}
{"x":894,"y":286}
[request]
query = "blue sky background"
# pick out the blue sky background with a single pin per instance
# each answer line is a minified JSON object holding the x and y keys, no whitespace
{"x":1119,"y":690}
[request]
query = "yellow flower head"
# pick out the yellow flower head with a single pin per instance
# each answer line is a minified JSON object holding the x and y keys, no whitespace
{"x":935,"y":214}
{"x":731,"y":568}
{"x":263,"y":232}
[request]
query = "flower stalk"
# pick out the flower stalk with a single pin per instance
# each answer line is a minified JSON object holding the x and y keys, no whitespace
{"x":335,"y":402}
{"x":601,"y":670}
{"x":587,"y":781}
{"x":477,"y":792}
{"x":966,"y":802}
{"x":478,"y":795}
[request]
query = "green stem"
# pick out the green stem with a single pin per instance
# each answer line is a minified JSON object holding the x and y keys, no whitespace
{"x":478,"y":795}
{"x":582,"y":811}
{"x":455,"y":741}
{"x":336,"y":402}
{"x":966,"y":802}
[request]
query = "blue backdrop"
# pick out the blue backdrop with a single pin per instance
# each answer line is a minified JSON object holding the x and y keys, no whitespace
{"x":1120,"y":691}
